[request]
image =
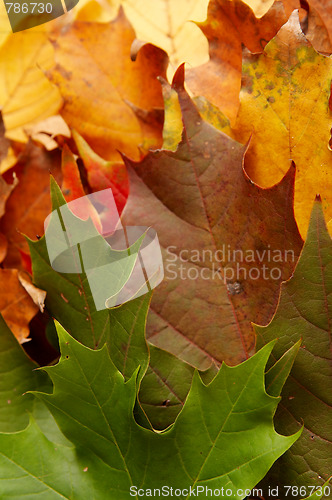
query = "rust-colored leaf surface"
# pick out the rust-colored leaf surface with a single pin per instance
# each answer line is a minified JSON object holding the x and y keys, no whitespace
{"x":202,"y":204}
{"x":29,"y":203}
{"x":323,"y":14}
{"x":103,"y":88}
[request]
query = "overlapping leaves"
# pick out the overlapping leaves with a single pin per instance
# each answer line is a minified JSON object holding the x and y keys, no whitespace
{"x":304,"y":312}
{"x":206,"y":446}
{"x":197,"y":197}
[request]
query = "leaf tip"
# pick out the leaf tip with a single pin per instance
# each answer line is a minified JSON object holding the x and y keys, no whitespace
{"x":178,"y":78}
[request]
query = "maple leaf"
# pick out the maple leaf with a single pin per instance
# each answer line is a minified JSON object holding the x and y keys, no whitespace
{"x":199,"y":198}
{"x":18,"y":376}
{"x":207,"y":445}
{"x":305,"y":311}
{"x":102,"y":174}
{"x":285,"y":103}
{"x":16,"y":304}
{"x":229,"y":25}
{"x":322,"y":19}
{"x":103,"y":104}
{"x":72,"y":186}
{"x":69,"y":300}
{"x":23,"y":104}
{"x":15,"y":291}
{"x":174,"y":32}
{"x":29,"y":202}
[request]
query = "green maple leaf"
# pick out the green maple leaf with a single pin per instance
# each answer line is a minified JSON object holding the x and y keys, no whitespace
{"x":305,"y":311}
{"x":69,"y":300}
{"x":223,"y":437}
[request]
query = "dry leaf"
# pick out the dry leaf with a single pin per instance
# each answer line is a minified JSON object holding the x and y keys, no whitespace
{"x":285,"y":105}
{"x":5,"y":190}
{"x":45,"y":131}
{"x":230,"y":24}
{"x":323,"y":10}
{"x":29,"y":203}
{"x":38,"y":296}
{"x":199,"y":199}
{"x":16,"y":305}
{"x":3,"y":247}
{"x":100,"y":85}
{"x":27,"y":96}
{"x":165,"y":23}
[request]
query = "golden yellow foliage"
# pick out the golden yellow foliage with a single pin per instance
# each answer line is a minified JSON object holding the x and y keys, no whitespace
{"x":285,"y":105}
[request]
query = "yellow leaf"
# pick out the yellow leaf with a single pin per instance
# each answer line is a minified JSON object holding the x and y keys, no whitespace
{"x":26,"y":94}
{"x":285,"y":104}
{"x":5,"y":28}
{"x":329,"y":227}
{"x":229,"y":26}
{"x":165,"y":23}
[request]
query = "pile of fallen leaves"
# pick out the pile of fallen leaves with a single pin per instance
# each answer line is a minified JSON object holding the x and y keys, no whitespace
{"x":234,"y":154}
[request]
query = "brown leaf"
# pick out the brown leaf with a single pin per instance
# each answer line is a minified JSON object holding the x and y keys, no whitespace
{"x":5,"y":190}
{"x":3,"y":247}
{"x":16,"y":305}
{"x":321,"y":16}
{"x":199,"y":200}
{"x":318,"y":33}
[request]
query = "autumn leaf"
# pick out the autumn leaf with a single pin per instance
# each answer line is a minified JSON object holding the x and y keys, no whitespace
{"x":102,"y":174}
{"x":305,"y":311}
{"x":46,"y":131}
{"x":285,"y":105}
{"x":27,"y":96}
{"x":323,"y":13}
{"x":5,"y":190}
{"x":318,"y":33}
{"x":102,"y":104}
{"x":199,"y":198}
{"x":165,"y":23}
{"x":229,"y":25}
{"x":29,"y":203}
{"x":70,"y":301}
{"x":16,"y":305}
{"x":72,"y":186}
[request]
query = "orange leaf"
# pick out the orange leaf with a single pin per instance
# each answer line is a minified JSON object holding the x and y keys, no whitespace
{"x":229,"y":25}
{"x":106,"y":94}
{"x":16,"y":305}
{"x":103,"y":174}
{"x":29,"y":203}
